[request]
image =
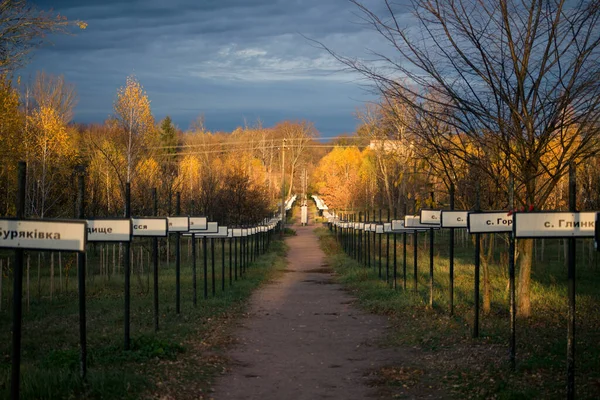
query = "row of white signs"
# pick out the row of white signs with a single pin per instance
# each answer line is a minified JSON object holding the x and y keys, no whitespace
{"x":73,"y":235}
{"x":523,"y":225}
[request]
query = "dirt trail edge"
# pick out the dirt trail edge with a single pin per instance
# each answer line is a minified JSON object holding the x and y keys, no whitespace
{"x":303,"y":338}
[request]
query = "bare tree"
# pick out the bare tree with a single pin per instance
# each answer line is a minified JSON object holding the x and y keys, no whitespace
{"x":22,"y":28}
{"x":524,"y":73}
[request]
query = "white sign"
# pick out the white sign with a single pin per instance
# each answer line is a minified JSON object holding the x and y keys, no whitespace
{"x":489,"y":222}
{"x":221,"y":233}
{"x":237,"y":232}
{"x":378,"y":228}
{"x":109,"y":230}
{"x":245,"y":232}
{"x":156,"y":227}
{"x":179,"y":224}
{"x":359,"y":225}
{"x":198,"y":223}
{"x":397,"y":224}
{"x":554,"y":224}
{"x":413,"y":221}
{"x":387,"y":227}
{"x":431,"y":217}
{"x":454,"y":219}
{"x":212,"y":227}
{"x":43,"y":235}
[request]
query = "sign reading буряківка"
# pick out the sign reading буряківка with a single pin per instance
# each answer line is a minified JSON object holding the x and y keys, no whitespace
{"x":554,"y":224}
{"x":43,"y":235}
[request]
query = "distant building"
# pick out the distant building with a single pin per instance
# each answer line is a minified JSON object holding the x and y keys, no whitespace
{"x":387,"y":146}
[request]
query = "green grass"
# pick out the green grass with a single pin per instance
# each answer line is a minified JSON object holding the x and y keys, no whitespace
{"x":50,"y":348}
{"x":479,"y":368}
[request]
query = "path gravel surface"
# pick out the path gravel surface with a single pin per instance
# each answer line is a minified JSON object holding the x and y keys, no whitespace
{"x":303,"y":338}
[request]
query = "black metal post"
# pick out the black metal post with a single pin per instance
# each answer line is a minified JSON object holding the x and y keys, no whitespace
{"x":212,"y":265}
{"x":477,"y":266}
{"x":178,"y":257}
{"x":230,"y":261}
{"x":431,"y":246}
{"x":235,"y":253}
{"x":571,"y":288}
{"x":380,"y":250}
{"x":404,"y":250}
{"x":451,"y":254}
{"x":81,"y":277}
{"x":395,"y":265}
{"x":155,"y":260}
{"x":223,"y":264}
{"x":18,"y":290}
{"x":127,"y":271}
{"x":194,"y":274}
{"x":511,"y":282}
{"x":205,"y":259}
{"x":415,"y":258}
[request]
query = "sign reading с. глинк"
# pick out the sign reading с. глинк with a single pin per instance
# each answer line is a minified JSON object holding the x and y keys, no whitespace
{"x":554,"y":224}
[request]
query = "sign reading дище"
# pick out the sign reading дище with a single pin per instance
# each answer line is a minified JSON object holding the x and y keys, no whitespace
{"x":489,"y":222}
{"x":153,"y":227}
{"x":554,"y":224}
{"x":430,"y":217}
{"x":109,"y":230}
{"x":454,"y":219}
{"x":43,"y":235}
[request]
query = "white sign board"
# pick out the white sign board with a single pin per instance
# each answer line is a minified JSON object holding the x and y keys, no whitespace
{"x":154,"y":227}
{"x":109,"y":230}
{"x":397,"y":224}
{"x":179,"y":224}
{"x":554,"y":224}
{"x":387,"y":227}
{"x":43,"y":235}
{"x":198,"y":223}
{"x":489,"y":222}
{"x":431,"y":217}
{"x":212,"y":227}
{"x":413,"y":221}
{"x":222,"y":232}
{"x":454,"y":219}
{"x":237,"y":232}
{"x":378,"y":228}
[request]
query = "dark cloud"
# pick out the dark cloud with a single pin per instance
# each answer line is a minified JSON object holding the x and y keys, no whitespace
{"x":226,"y":59}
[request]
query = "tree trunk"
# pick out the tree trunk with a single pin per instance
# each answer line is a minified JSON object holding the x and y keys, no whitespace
{"x":525,"y":247}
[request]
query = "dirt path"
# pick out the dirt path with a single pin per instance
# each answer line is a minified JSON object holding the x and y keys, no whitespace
{"x":303,"y":338}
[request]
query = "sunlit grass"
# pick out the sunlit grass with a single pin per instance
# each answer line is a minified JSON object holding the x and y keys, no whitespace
{"x":541,"y":339}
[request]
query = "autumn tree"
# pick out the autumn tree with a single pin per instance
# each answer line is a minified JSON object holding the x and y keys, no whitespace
{"x":49,"y":150}
{"x":297,"y":136}
{"x":24,"y":27}
{"x":134,"y":119}
{"x":11,"y":141}
{"x":524,"y":73}
{"x":337,"y":178}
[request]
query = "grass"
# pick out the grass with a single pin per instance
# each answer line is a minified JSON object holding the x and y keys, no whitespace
{"x":180,"y":360}
{"x":453,"y":361}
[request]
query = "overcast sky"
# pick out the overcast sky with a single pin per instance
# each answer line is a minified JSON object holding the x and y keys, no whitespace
{"x":231,"y":60}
